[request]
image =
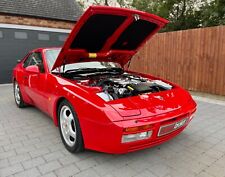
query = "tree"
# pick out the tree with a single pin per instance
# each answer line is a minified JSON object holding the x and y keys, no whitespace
{"x":119,"y":3}
{"x":182,"y":14}
{"x":213,"y":13}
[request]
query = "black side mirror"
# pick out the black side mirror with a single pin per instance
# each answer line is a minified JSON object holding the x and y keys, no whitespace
{"x":18,"y":61}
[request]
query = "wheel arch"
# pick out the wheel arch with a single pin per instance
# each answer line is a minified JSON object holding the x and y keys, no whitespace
{"x":56,"y":105}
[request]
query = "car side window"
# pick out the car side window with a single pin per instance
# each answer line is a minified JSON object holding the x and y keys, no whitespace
{"x":34,"y":59}
{"x":27,"y":61}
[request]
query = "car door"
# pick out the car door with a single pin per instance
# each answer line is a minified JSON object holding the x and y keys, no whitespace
{"x":35,"y":83}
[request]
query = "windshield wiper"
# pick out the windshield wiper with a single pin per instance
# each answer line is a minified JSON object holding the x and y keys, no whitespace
{"x":94,"y":70}
{"x":117,"y":70}
{"x":81,"y":70}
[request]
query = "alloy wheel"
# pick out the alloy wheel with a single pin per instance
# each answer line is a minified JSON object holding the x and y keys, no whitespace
{"x":67,"y":125}
{"x":17,"y":93}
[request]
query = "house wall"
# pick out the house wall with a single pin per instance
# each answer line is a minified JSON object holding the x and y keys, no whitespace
{"x":13,"y":48}
{"x":22,"y":20}
{"x":17,"y":40}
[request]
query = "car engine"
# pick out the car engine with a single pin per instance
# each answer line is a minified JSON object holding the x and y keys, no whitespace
{"x":125,"y":85}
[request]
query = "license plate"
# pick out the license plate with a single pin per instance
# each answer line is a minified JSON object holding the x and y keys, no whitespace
{"x":166,"y":129}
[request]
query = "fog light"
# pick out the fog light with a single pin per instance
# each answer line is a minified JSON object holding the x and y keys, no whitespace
{"x":136,"y":136}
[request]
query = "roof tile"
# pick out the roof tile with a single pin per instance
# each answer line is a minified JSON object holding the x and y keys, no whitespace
{"x":68,"y":10}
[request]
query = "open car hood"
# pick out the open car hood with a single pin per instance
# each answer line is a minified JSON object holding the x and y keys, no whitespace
{"x":108,"y":34}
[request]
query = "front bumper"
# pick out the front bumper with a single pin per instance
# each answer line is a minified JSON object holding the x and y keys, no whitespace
{"x":154,"y":140}
{"x":108,"y":137}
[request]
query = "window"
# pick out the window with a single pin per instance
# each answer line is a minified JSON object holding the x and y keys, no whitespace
{"x":51,"y":56}
{"x":62,"y":38}
{"x":34,"y":59}
{"x":1,"y":34}
{"x":43,"y":37}
{"x":21,"y":35}
{"x":27,"y":61}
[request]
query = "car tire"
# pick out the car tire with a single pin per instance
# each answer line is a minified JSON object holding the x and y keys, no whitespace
{"x":18,"y":96}
{"x":69,"y":128}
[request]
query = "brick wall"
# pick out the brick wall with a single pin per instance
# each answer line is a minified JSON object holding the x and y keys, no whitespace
{"x":35,"y":22}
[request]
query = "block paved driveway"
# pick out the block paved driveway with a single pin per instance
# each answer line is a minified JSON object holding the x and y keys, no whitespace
{"x":30,"y":146}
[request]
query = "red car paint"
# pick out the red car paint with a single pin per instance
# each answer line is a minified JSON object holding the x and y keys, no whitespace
{"x":103,"y":123}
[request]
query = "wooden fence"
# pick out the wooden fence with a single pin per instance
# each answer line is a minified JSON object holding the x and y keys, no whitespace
{"x":194,"y":59}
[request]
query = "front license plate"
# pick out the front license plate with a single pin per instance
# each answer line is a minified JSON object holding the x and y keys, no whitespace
{"x":165,"y":129}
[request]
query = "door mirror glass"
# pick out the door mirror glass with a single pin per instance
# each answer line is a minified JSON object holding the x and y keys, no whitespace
{"x":33,"y":69}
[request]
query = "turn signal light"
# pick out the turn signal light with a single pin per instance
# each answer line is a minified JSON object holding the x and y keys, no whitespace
{"x":136,"y":129}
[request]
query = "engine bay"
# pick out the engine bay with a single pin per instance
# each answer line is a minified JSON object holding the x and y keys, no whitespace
{"x":116,"y":86}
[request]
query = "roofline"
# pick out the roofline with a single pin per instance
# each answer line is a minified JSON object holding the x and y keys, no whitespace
{"x":34,"y":28}
{"x":46,"y":48}
{"x":40,"y":17}
{"x":51,"y":48}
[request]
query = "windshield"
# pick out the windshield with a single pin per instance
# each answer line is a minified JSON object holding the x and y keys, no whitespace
{"x":52,"y":54}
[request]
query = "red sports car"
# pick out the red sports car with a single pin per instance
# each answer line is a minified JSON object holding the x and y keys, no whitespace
{"x":95,"y":101}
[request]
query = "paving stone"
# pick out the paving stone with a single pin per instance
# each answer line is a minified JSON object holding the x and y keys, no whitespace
{"x":5,"y":142}
{"x":15,"y":139}
{"x":13,"y":146}
{"x":43,"y":144}
{"x":33,"y":172}
{"x":205,"y":159}
{"x":33,"y":162}
{"x":58,"y":146}
{"x":87,"y":163}
{"x":53,"y":156}
{"x":1,"y":149}
{"x":49,"y":167}
{"x":125,"y":171}
{"x":51,"y":174}
{"x":11,"y":170}
{"x":68,"y":159}
{"x":181,"y":172}
{"x":31,"y":141}
{"x":7,"y":154}
{"x":214,"y":153}
{"x":87,"y":173}
{"x":204,"y":174}
{"x":39,"y":152}
{"x":19,"y":158}
{"x":216,"y":170}
{"x":24,"y":149}
{"x":67,"y":171}
{"x":160,"y":169}
{"x":145,"y":173}
{"x":4,"y":163}
{"x":220,"y":162}
{"x":104,"y":168}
